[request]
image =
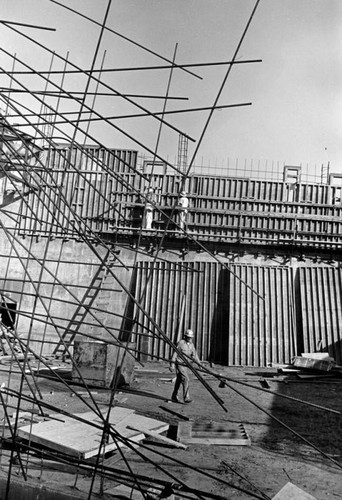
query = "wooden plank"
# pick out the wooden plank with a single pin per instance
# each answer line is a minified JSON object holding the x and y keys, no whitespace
{"x":313,"y":364}
{"x":142,"y":422}
{"x":292,"y":492}
{"x":117,"y":415}
{"x":184,"y":431}
{"x":157,"y":436}
{"x":70,"y":437}
{"x":317,"y":355}
{"x":83,"y":440}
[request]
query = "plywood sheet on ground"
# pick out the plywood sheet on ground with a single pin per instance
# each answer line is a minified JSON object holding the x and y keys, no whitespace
{"x":82,"y":439}
{"x":225,"y":433}
{"x":292,"y":492}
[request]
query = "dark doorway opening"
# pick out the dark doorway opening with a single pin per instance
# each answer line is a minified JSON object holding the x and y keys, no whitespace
{"x":8,"y":314}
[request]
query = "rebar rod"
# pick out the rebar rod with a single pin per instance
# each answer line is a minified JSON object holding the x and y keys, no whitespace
{"x":25,"y":25}
{"x":123,"y":37}
{"x":108,"y":87}
{"x":138,"y":115}
{"x":141,"y":68}
{"x":199,"y":142}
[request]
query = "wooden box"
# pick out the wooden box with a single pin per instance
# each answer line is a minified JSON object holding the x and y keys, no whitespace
{"x":100,"y":364}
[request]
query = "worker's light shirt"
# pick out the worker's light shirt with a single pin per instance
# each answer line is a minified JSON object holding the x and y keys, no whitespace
{"x":184,"y":202}
{"x":186,"y":348}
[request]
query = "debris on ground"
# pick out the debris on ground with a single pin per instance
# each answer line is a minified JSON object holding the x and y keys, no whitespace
{"x":310,"y":366}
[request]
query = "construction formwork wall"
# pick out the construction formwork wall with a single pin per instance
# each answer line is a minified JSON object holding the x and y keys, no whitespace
{"x":320,"y":291}
{"x":242,"y":315}
{"x":80,"y":193}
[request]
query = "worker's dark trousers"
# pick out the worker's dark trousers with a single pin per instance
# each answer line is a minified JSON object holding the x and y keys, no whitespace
{"x":181,"y":380}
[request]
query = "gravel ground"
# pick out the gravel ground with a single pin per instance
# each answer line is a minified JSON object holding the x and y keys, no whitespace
{"x":290,"y":441}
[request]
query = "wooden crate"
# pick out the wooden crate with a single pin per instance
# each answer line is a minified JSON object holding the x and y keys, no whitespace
{"x":100,"y":364}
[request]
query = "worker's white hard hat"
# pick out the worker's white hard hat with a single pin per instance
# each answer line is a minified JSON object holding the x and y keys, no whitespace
{"x":183,"y":193}
{"x":189,"y":333}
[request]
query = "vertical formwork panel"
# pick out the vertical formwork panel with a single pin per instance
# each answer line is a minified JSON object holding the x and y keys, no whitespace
{"x":241,"y":315}
{"x":161,"y":289}
{"x":321,"y":302}
{"x":261,"y":326}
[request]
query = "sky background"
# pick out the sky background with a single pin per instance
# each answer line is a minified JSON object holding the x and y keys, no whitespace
{"x":295,"y":116}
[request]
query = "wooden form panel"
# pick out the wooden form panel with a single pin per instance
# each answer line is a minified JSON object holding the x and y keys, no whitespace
{"x":225,"y":187}
{"x":175,"y":297}
{"x":241,"y":316}
{"x":81,"y":439}
{"x":273,"y":191}
{"x":321,"y":309}
{"x":261,"y":327}
{"x":103,"y":194}
{"x":80,"y":191}
{"x":258,"y":228}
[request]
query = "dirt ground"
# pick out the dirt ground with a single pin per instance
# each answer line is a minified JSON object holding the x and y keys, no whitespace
{"x":290,"y":441}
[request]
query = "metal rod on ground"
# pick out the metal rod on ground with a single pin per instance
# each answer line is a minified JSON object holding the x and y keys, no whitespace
{"x":226,"y":464}
{"x":124,"y":477}
{"x":278,"y":394}
{"x":17,"y":449}
{"x":195,"y":469}
{"x":302,"y":438}
{"x":131,"y":444}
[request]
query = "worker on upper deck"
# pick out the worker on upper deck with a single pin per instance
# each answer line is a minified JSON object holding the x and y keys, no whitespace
{"x":149,"y":208}
{"x":183,"y":205}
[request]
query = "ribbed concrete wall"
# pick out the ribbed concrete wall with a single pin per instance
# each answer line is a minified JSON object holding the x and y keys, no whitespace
{"x":176,"y":297}
{"x":261,"y":327}
{"x":321,"y":308}
{"x":241,"y":316}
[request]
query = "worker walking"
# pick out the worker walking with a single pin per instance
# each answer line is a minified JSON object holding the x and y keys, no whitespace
{"x":186,"y":347}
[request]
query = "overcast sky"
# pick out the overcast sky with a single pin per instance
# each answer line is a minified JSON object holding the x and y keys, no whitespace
{"x":295,"y":116}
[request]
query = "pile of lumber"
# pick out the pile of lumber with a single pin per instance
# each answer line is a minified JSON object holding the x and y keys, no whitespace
{"x":311,"y":365}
